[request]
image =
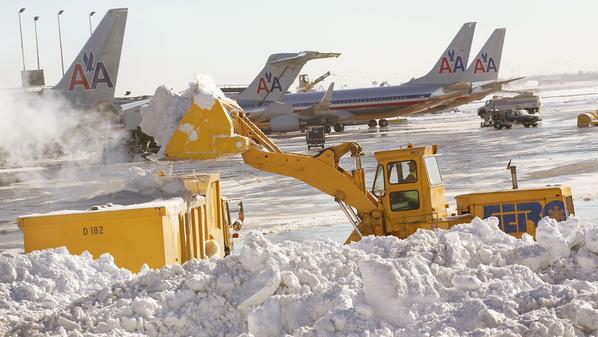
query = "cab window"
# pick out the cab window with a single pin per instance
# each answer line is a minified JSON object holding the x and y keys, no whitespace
{"x":433,"y":171}
{"x":402,"y":172}
{"x":404,"y":200}
{"x":378,"y":187}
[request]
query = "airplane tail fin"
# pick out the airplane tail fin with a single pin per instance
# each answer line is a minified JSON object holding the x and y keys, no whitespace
{"x":486,"y":64}
{"x":278,"y":75}
{"x":91,"y":79}
{"x":450,"y":67}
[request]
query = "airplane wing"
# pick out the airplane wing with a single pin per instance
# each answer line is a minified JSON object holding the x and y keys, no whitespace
{"x":499,"y":84}
{"x":457,"y":86}
{"x":322,"y":106}
{"x":131,"y":114}
{"x":302,"y":57}
{"x":434,"y":102}
{"x":134,"y":105}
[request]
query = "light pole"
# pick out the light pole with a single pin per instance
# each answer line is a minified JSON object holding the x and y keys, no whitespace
{"x":60,"y":41}
{"x":21,"y":31}
{"x":35,"y":18}
{"x":90,"y":15}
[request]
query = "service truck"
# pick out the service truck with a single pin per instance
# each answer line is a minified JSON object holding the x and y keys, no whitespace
{"x":523,"y":101}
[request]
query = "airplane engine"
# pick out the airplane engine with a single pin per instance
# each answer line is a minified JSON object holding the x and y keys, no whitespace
{"x":284,"y":123}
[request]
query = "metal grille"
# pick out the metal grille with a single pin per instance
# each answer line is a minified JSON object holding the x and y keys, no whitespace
{"x":569,"y":205}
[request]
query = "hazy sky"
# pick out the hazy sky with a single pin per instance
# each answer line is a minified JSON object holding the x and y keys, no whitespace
{"x":166,"y":42}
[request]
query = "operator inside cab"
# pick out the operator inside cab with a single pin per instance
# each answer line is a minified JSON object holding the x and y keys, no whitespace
{"x":400,"y":172}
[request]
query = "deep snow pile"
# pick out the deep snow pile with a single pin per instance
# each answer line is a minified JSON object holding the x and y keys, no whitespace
{"x":38,"y":283}
{"x":472,"y":280}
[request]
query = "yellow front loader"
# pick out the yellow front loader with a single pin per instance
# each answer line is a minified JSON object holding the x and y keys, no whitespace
{"x":407,"y":192}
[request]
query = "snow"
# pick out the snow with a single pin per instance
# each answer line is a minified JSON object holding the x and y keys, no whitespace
{"x":205,"y":91}
{"x":38,"y":283}
{"x":161,"y":116}
{"x":472,"y":280}
{"x":151,"y":183}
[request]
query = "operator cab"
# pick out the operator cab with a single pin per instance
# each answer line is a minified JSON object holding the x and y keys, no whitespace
{"x":409,"y":185}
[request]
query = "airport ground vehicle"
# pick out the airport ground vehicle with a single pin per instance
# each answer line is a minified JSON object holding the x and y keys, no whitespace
{"x":506,"y":118}
{"x":525,"y":100}
{"x":499,"y":108}
{"x":157,"y":233}
{"x":315,"y":136}
{"x":407,"y":193}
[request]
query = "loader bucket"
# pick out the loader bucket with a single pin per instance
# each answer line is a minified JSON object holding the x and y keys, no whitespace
{"x":205,"y":134}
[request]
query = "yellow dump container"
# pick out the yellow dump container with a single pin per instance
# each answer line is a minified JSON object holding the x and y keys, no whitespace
{"x":157,"y":233}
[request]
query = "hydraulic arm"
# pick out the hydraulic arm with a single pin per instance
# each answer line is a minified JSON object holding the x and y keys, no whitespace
{"x":322,"y":171}
{"x":224,"y":130}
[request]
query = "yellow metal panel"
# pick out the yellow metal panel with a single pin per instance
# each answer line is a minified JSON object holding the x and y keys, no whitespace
{"x":196,"y":227}
{"x":170,"y":241}
{"x":201,"y":232}
{"x":183,"y":242}
{"x":133,"y":237}
{"x":205,"y":134}
{"x":199,"y":183}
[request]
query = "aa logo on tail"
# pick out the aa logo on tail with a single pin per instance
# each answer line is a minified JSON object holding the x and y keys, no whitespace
{"x":451,"y":63}
{"x":484,"y":64}
{"x":268,"y":83}
{"x":89,"y":74}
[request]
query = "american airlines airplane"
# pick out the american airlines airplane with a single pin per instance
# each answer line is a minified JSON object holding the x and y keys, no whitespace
{"x":277,"y":76}
{"x":444,"y":82}
{"x":482,"y":73}
{"x":263,"y":96}
{"x":90,"y":81}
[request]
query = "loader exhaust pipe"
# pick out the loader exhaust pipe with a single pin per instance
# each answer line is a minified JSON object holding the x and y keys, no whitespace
{"x":513,"y":170}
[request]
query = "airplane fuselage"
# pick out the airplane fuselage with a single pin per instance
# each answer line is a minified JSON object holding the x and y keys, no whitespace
{"x":368,"y":103}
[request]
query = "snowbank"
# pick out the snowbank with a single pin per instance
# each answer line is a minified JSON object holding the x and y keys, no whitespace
{"x":472,"y":280}
{"x":38,"y":283}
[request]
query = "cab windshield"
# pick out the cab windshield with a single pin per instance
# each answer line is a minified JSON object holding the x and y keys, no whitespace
{"x":433,"y":171}
{"x":378,"y":187}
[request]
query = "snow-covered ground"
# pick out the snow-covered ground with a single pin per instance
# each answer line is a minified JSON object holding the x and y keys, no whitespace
{"x":472,"y":280}
{"x":471,"y":159}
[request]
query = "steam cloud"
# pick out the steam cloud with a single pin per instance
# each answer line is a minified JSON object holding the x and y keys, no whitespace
{"x":34,"y":127}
